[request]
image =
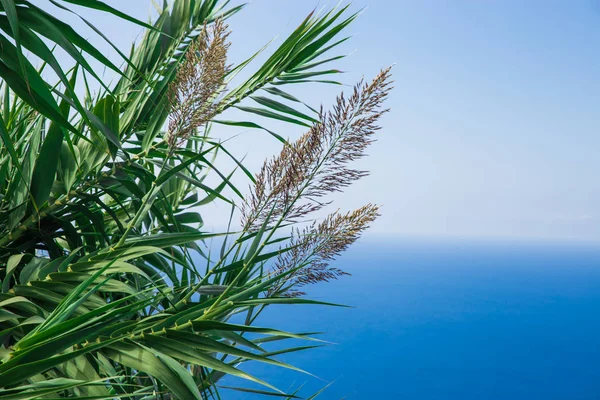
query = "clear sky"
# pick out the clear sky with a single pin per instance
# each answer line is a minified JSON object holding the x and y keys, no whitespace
{"x":494,"y":129}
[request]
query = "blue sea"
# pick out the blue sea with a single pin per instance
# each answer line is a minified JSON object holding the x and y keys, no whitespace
{"x":448,"y":319}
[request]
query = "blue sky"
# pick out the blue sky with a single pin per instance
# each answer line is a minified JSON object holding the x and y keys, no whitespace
{"x":494,"y":123}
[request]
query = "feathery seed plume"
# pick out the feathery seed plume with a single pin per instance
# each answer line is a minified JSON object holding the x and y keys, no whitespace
{"x":316,"y":246}
{"x":194,"y":93}
{"x":291,"y":184}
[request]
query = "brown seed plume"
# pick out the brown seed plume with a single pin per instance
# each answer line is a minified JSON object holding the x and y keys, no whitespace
{"x":194,"y":93}
{"x":292,"y":184}
{"x":313,"y":248}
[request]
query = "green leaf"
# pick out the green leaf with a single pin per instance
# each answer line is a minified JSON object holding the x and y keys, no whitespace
{"x":278,"y":92}
{"x":46,"y":165}
{"x":98,"y":5}
{"x":260,"y":392}
{"x":215,"y":346}
{"x":164,"y":240}
{"x":63,"y":35}
{"x":189,"y":218}
{"x":108,"y":110}
{"x":13,"y":19}
{"x":68,"y":165}
{"x":156,"y":364}
{"x":270,"y":114}
{"x":31,"y":88}
{"x":191,"y":355}
{"x":277,"y":106}
{"x":169,"y":172}
{"x":44,"y":388}
{"x":30,"y":271}
{"x":12,"y":152}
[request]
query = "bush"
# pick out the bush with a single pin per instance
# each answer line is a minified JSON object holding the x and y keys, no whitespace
{"x":103,"y":295}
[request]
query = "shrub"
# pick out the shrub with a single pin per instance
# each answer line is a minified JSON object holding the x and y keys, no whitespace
{"x":103,"y":294}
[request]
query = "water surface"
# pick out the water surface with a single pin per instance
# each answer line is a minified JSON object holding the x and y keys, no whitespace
{"x":437,"y":319}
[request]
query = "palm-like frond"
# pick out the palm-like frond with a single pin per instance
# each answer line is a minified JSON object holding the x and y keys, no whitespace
{"x":108,"y":289}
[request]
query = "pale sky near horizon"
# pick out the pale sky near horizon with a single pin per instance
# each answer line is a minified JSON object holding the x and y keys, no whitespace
{"x":494,"y":124}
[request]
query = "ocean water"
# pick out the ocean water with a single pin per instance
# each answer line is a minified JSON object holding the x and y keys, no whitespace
{"x":436,"y":319}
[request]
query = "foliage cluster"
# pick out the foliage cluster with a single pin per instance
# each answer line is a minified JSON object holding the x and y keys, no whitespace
{"x":108,"y":289}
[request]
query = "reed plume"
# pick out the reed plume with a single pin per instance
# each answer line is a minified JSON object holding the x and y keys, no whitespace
{"x":194,"y":93}
{"x":313,"y":248}
{"x":293,"y":183}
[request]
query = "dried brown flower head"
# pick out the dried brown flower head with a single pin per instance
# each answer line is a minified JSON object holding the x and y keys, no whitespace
{"x":292,"y":184}
{"x":313,"y":248}
{"x":194,"y":93}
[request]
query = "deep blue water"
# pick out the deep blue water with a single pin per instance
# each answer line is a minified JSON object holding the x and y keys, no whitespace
{"x":449,"y":320}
